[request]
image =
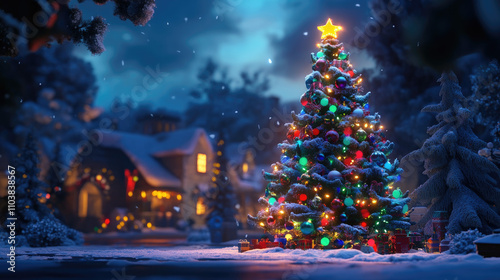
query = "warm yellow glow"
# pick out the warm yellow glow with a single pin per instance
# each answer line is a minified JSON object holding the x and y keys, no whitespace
{"x":329,"y":29}
{"x":119,"y":227}
{"x":149,"y":225}
{"x":329,"y":89}
{"x":288,"y":236}
{"x":326,"y":216}
{"x":327,"y":76}
{"x":98,"y":177}
{"x":143,"y":194}
{"x":104,"y":225}
{"x":201,"y":163}
{"x":104,"y":170}
{"x":318,"y":45}
{"x":356,"y":177}
{"x":381,"y":127}
{"x":167,"y":195}
{"x":125,"y":218}
{"x":357,"y":201}
{"x":135,"y":178}
{"x":200,"y":207}
{"x":130,"y":194}
{"x":155,"y":193}
{"x":179,"y":197}
{"x":374,"y":201}
{"x":327,"y":196}
{"x":117,"y":218}
{"x":245,"y":167}
{"x":219,"y":153}
{"x":281,"y":211}
{"x":366,"y":125}
{"x":122,"y":223}
{"x":261,"y":224}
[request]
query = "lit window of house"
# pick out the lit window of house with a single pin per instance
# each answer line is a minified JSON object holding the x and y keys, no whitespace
{"x":201,"y":164}
{"x":245,"y":167}
{"x":200,"y":206}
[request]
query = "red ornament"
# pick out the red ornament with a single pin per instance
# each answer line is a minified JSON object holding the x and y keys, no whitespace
{"x":303,"y":197}
{"x":107,"y":221}
{"x":347,"y":131}
{"x":281,"y":199}
{"x":271,"y":221}
{"x":359,"y":154}
{"x":348,"y":161}
{"x":365,"y":213}
{"x":351,"y":73}
{"x":324,"y":222}
{"x":332,"y":136}
{"x":296,"y":134}
{"x":315,"y":131}
{"x":363,"y":224}
{"x":304,"y":99}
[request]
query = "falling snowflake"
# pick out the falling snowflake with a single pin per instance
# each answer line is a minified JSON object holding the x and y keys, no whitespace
{"x":177,"y":209}
{"x":305,"y":33}
{"x":270,"y":61}
{"x":123,"y":62}
{"x":358,"y":5}
{"x":185,"y":19}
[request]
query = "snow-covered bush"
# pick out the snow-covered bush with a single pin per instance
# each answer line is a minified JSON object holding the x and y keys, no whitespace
{"x":462,"y":243}
{"x":51,"y":232}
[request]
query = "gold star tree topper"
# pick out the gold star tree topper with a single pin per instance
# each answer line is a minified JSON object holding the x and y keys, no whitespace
{"x":329,"y":29}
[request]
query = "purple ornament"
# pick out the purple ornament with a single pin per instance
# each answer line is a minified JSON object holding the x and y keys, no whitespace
{"x":341,"y":83}
{"x":343,"y":218}
{"x":332,"y":136}
{"x":337,"y":243}
{"x":320,"y":65}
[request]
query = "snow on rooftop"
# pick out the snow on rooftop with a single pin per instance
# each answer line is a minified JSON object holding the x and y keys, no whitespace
{"x":142,"y":150}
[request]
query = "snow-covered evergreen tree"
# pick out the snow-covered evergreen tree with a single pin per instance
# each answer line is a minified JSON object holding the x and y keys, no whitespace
{"x":221,"y":199}
{"x":460,"y":181}
{"x":29,"y":208}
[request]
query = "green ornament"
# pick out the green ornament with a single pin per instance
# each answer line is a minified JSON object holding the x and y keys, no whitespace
{"x":397,"y":193}
{"x":342,"y":55}
{"x":348,"y":202}
{"x":324,"y":102}
{"x":325,"y":241}
{"x":320,"y":54}
{"x":272,"y":200}
{"x":405,"y":209}
{"x":303,"y":161}
{"x":333,"y":108}
{"x":361,"y":134}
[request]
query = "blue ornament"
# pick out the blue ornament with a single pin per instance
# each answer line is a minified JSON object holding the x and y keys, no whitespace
{"x":343,"y":217}
{"x":378,"y":158}
{"x":284,"y":159}
{"x":337,"y":243}
{"x":387,"y":165}
{"x":289,"y":225}
{"x":367,"y":107}
{"x":340,"y":83}
{"x":306,"y":228}
{"x":320,"y":157}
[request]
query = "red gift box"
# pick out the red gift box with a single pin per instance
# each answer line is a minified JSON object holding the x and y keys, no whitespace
{"x":400,"y":242}
{"x":305,"y":244}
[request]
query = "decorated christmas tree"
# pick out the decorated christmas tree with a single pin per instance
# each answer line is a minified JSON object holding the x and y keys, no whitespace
{"x":334,"y":182}
{"x":461,"y":181}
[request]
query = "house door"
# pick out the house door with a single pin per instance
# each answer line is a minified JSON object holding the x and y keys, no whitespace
{"x":89,"y":201}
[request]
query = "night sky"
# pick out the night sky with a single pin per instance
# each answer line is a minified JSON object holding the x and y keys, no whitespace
{"x":236,"y":34}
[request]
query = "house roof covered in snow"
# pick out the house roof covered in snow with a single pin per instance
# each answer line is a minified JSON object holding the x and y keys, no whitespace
{"x":144,"y":149}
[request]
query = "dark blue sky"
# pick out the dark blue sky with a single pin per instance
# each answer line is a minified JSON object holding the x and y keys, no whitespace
{"x":238,"y":34}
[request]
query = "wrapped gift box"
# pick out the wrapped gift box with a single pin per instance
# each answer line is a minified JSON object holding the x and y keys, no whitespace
{"x":400,"y":242}
{"x":243,"y":246}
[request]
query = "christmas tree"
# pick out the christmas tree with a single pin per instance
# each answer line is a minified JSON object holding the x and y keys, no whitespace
{"x":460,"y":180}
{"x":29,"y":189}
{"x":221,"y":200}
{"x":334,"y":181}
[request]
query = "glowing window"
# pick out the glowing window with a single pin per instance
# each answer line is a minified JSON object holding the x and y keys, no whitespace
{"x":202,"y":163}
{"x":245,"y":167}
{"x":200,"y":206}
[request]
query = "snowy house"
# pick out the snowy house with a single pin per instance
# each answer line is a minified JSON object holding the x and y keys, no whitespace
{"x":246,"y":178}
{"x":159,"y":178}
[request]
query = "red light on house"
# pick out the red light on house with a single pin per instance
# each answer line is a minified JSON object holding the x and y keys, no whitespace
{"x":365,"y":213}
{"x":47,"y":196}
{"x":315,"y":131}
{"x":303,"y":197}
{"x":363,"y":224}
{"x":107,"y":221}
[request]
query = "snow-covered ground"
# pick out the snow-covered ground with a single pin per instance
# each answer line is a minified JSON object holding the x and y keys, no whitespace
{"x":202,"y":262}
